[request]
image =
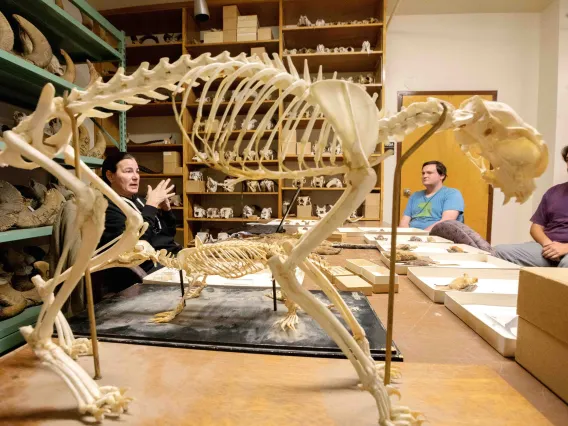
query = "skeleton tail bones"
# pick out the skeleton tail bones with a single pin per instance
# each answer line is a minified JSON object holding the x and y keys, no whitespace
{"x":485,"y":131}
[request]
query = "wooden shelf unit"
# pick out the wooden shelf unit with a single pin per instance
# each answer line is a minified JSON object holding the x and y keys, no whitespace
{"x":284,"y":14}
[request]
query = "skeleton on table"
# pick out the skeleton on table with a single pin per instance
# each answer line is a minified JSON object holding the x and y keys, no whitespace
{"x":486,"y":131}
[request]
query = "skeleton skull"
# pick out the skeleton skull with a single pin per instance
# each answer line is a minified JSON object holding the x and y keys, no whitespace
{"x":253,"y":186}
{"x":229,"y":185}
{"x":196,"y":176}
{"x":248,"y":211}
{"x":266,"y":213}
{"x":321,"y":211}
{"x":230,"y":156}
{"x":199,"y":157}
{"x":212,"y":213}
{"x":267,"y":185}
{"x":334,"y":183}
{"x":285,"y":206}
{"x":222,"y":236}
{"x":267,"y":154}
{"x":249,"y":155}
{"x":211,"y":184}
{"x":226,"y":212}
{"x":297,"y":183}
{"x":318,"y":181}
{"x":495,"y":135}
{"x":304,"y":201}
{"x":199,"y":211}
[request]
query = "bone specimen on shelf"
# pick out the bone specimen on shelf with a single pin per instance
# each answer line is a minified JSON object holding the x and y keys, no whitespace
{"x":483,"y":129}
{"x":320,"y":22}
{"x":199,"y":212}
{"x":299,"y":182}
{"x":212,"y":213}
{"x":230,"y":156}
{"x":334,"y":183}
{"x":267,"y":185}
{"x":36,"y":48}
{"x":304,"y":200}
{"x":212,"y":184}
{"x":196,"y":175}
{"x":320,"y":48}
{"x":366,"y":47}
{"x":229,"y":184}
{"x":249,"y":124}
{"x":266,"y":213}
{"x":11,"y":205}
{"x":285,"y":206}
{"x":226,"y":212}
{"x":318,"y":182}
{"x":253,"y":186}
{"x":222,"y":236}
{"x":304,"y":21}
{"x":175,"y":200}
{"x":321,"y":211}
{"x":248,"y":211}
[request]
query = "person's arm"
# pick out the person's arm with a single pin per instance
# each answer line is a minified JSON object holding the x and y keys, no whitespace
{"x":537,"y":233}
{"x":447,"y":215}
{"x":170,"y":221}
{"x":115,"y":224}
{"x":150,"y":215}
{"x":404,"y":222}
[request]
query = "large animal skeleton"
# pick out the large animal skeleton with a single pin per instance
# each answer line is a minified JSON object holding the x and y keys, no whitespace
{"x":487,"y":131}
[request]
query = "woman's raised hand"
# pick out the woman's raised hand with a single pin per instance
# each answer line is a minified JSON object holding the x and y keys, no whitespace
{"x":160,"y":195}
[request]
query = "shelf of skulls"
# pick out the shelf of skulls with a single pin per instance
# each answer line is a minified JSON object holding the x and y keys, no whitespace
{"x":332,"y":35}
{"x":233,"y":47}
{"x":263,"y":107}
{"x":232,"y":193}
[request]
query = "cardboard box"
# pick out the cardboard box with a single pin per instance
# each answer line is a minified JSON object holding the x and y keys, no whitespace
{"x":258,"y":51}
{"x":247,"y":21}
{"x":356,"y":265}
{"x":195,"y":186}
{"x":213,"y":37}
{"x":543,"y":355}
{"x":543,"y":300}
{"x":306,"y":148}
{"x":246,"y":37}
{"x":230,"y":24}
{"x":247,"y":31}
{"x":265,"y":33}
{"x":373,"y":199}
{"x":354,"y":283}
{"x":304,"y":211}
{"x":231,"y":12}
{"x":230,"y":35}
{"x":372,"y":205}
{"x":336,"y":271}
{"x":292,"y":134}
{"x":172,"y":157}
{"x":172,"y":168}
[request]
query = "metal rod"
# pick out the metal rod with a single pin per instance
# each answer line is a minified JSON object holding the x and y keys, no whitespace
{"x":92,"y":324}
{"x":394,"y":224}
{"x":181,"y":285}
{"x":274,"y":294}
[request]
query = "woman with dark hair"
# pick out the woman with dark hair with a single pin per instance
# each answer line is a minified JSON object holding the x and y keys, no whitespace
{"x":120,"y":172}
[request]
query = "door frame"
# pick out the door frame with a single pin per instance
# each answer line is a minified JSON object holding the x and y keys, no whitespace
{"x":492,"y":93}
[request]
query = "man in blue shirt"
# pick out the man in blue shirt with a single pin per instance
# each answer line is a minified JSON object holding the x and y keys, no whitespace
{"x":436,"y":203}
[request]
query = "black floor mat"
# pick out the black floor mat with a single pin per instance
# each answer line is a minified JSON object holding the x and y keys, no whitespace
{"x":223,"y":318}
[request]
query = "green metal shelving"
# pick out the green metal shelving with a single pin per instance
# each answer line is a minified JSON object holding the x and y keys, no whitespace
{"x":10,"y":335}
{"x":24,"y":234}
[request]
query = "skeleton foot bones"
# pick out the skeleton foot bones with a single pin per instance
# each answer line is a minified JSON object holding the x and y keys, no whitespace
{"x":488,"y":132}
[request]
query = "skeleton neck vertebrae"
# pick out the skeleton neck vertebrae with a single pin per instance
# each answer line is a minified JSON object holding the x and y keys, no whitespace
{"x":487,"y":132}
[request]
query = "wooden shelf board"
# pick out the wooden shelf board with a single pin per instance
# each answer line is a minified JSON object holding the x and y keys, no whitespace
{"x":235,"y":134}
{"x":312,"y":189}
{"x":159,"y":175}
{"x":235,"y":162}
{"x":153,"y":109}
{"x":152,"y":53}
{"x":232,"y":193}
{"x":264,"y":107}
{"x":340,"y":62}
{"x":332,"y":35}
{"x":234,"y":47}
{"x":153,"y":147}
{"x":177,"y":208}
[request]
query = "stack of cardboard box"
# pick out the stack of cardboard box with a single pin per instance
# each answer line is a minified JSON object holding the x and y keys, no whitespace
{"x":372,"y":205}
{"x":172,"y":162}
{"x":230,"y":16}
{"x":247,"y":28}
{"x":542,"y":336}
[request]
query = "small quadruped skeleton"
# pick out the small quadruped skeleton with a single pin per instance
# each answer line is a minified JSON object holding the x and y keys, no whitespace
{"x":488,"y":132}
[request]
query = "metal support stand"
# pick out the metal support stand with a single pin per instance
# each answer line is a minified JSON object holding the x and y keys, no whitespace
{"x":274,"y":294}
{"x":395,"y":218}
{"x":181,"y":285}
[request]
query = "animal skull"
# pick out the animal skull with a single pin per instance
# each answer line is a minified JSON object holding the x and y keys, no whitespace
{"x":334,"y":183}
{"x":267,"y":185}
{"x":249,"y":155}
{"x":267,"y":154}
{"x":321,"y":211}
{"x":222,"y":236}
{"x":230,"y":156}
{"x":211,"y":184}
{"x":318,"y":181}
{"x":199,"y":211}
{"x":196,"y":176}
{"x":226,"y":212}
{"x":253,"y":186}
{"x":266,"y":213}
{"x":229,"y":185}
{"x":366,"y":47}
{"x":285,"y":206}
{"x":249,"y":125}
{"x":212,"y":213}
{"x":248,"y":211}
{"x":199,"y":157}
{"x":304,"y":21}
{"x":299,"y":182}
{"x":304,"y":201}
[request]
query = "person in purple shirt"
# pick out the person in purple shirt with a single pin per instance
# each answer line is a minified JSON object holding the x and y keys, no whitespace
{"x":549,"y":230}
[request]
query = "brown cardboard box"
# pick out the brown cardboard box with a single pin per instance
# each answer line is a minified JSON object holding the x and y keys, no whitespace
{"x":292,"y":134}
{"x":172,"y":168}
{"x":265,"y":33}
{"x":195,"y":186}
{"x":354,"y":283}
{"x":258,"y":51}
{"x":230,"y":35}
{"x":230,"y":24}
{"x":543,"y":355}
{"x":372,"y":205}
{"x":543,"y":300}
{"x":172,"y":157}
{"x":246,"y":37}
{"x":231,"y":12}
{"x":247,"y":21}
{"x":213,"y":37}
{"x":373,"y":199}
{"x":304,"y":211}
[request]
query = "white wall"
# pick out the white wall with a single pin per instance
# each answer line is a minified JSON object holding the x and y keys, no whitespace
{"x":468,"y":52}
{"x":560,"y":174}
